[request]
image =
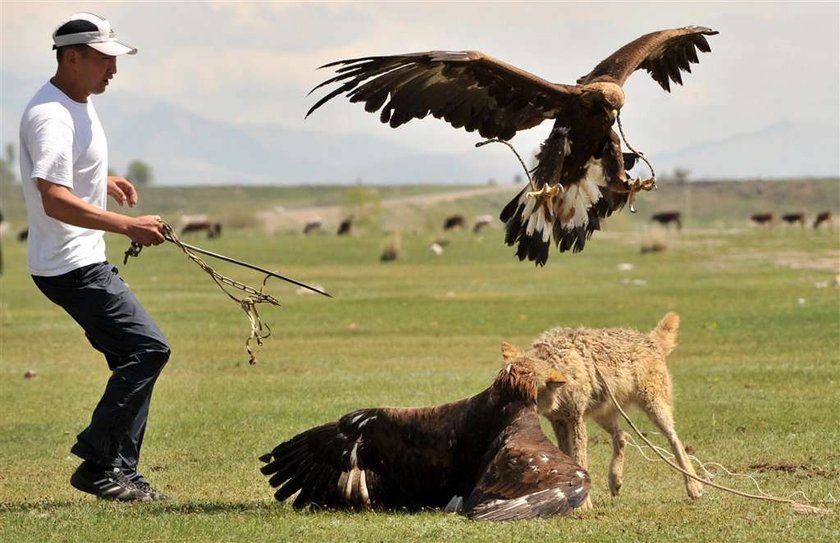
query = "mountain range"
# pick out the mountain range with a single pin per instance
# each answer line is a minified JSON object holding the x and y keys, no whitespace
{"x":184,"y":148}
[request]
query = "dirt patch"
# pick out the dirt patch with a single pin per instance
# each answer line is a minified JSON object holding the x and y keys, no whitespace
{"x":810,"y":262}
{"x":824,"y":261}
{"x":278,"y":219}
{"x":800,"y":470}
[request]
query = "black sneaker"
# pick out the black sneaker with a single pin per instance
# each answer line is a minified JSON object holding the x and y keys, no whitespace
{"x":141,"y":483}
{"x":108,"y":484}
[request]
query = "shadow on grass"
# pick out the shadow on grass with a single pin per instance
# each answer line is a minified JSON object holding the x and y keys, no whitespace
{"x":148,"y":508}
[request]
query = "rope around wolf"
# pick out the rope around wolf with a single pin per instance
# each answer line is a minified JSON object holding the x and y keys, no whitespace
{"x":798,"y":507}
{"x":704,"y":466}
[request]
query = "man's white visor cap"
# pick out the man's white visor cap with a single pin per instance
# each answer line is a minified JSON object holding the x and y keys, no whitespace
{"x":91,"y":30}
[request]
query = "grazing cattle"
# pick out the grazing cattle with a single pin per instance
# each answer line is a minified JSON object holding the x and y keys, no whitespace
{"x":391,"y":248}
{"x":762,"y":218}
{"x":313,"y":226}
{"x":823,"y":217}
{"x":213,"y":229}
{"x":482,"y":222}
{"x":792,"y":218}
{"x":389,"y":254}
{"x":453,"y":221}
{"x":345,"y":226}
{"x":23,"y":235}
{"x":665,"y":218}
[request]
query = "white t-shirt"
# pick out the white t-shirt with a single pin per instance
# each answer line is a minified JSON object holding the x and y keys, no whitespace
{"x":62,"y":141}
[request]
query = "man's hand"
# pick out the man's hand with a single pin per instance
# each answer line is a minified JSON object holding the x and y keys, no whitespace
{"x":122,"y":191}
{"x":146,"y":230}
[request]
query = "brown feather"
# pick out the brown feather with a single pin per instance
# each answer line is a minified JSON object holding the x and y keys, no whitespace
{"x":476,"y":92}
{"x":414,"y":458}
{"x":655,"y":53}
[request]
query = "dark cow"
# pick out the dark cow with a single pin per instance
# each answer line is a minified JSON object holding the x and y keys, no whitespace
{"x":23,"y":235}
{"x":453,"y":221}
{"x":823,"y":217}
{"x":213,"y":229}
{"x":482,"y":222}
{"x":312,"y":226}
{"x":345,"y":226}
{"x":762,"y":218}
{"x":665,"y":218}
{"x":792,"y":218}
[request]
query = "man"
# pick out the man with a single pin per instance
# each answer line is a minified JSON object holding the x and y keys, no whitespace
{"x":64,"y":165}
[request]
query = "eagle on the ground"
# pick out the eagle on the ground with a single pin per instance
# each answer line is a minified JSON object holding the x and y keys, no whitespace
{"x":580,"y":176}
{"x":485,"y":457}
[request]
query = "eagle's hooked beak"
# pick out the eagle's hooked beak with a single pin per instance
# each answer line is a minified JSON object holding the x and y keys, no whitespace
{"x":613,"y":115}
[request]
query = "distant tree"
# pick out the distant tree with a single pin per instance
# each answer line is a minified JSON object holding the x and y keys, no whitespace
{"x":139,"y":172}
{"x":364,"y":204}
{"x":7,"y":165}
{"x":681,"y":175}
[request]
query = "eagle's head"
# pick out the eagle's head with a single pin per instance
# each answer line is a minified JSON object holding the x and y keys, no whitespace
{"x":527,"y":377}
{"x":603,"y":96}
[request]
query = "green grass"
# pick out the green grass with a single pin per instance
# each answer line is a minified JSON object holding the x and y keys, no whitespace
{"x":755,"y":376}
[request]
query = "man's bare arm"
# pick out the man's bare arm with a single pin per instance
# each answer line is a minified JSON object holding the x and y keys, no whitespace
{"x":61,"y":204}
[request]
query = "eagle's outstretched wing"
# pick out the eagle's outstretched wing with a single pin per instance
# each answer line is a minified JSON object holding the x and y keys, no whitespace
{"x":363,"y":461}
{"x":467,"y":89}
{"x":526,"y":476}
{"x":662,"y":54}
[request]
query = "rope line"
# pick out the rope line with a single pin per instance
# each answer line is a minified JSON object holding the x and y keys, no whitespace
{"x":637,"y":185}
{"x":639,"y":153}
{"x":248,"y":304}
{"x":798,"y":507}
{"x":524,"y":168}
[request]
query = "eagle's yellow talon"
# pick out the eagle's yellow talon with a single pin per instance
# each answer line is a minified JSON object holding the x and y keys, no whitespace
{"x":548,"y":190}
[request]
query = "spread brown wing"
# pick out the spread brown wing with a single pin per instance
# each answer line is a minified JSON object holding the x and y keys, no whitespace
{"x":467,"y":89}
{"x":526,"y":476}
{"x":368,"y":459}
{"x":662,"y":54}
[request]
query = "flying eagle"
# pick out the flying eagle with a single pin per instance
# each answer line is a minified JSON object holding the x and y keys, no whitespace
{"x":580,"y":176}
{"x":485,"y":457}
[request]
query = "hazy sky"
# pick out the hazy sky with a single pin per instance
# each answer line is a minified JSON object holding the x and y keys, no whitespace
{"x":254,"y":62}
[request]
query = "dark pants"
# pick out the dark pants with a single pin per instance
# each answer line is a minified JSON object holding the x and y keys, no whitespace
{"x":118,"y":326}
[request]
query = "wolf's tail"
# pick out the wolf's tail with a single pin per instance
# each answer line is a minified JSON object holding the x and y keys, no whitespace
{"x":665,"y":332}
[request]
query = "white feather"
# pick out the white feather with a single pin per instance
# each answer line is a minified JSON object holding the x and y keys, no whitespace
{"x":580,"y":197}
{"x":546,"y":233}
{"x":532,"y":224}
{"x":364,"y":489}
{"x":353,"y":457}
{"x":529,"y":209}
{"x":367,"y":420}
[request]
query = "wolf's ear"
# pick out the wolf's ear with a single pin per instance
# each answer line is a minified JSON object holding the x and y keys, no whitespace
{"x":509,"y":352}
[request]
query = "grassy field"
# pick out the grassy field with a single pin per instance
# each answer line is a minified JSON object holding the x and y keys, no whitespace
{"x":756,"y":375}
